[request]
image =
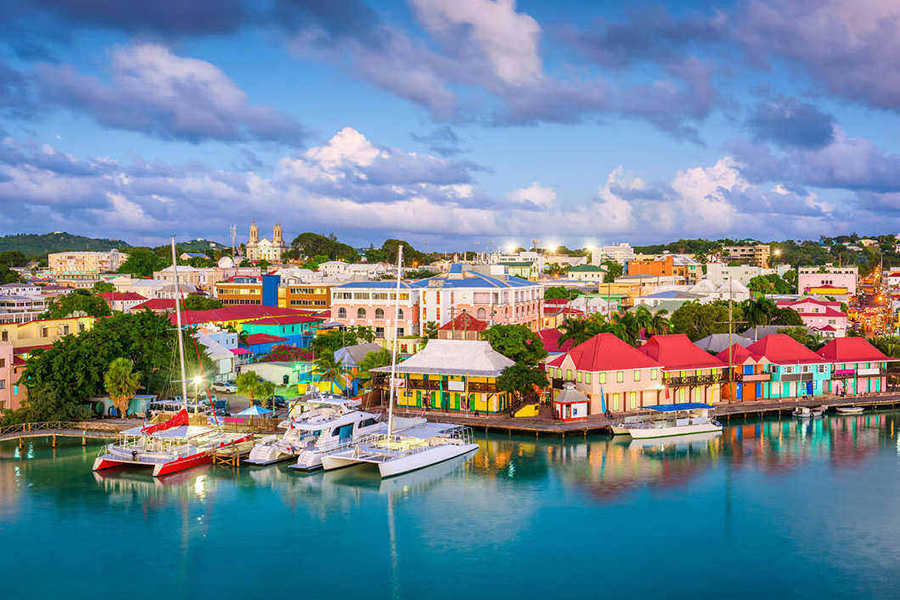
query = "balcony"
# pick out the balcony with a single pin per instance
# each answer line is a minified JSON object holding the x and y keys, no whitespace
{"x":757,"y":377}
{"x":693,"y":380}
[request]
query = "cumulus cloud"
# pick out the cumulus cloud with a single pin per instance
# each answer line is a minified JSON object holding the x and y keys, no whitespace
{"x":535,"y":195}
{"x":156,"y":92}
{"x":443,"y":141}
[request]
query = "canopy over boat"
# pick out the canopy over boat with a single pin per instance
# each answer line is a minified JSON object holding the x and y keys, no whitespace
{"x":181,"y":418}
{"x":254,"y":411}
{"x":665,"y":408}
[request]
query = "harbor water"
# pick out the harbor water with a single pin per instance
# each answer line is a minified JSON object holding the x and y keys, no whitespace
{"x":775,"y":508}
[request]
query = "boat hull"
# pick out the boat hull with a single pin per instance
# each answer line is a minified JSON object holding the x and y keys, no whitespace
{"x":182,"y":464}
{"x":849,"y":410}
{"x":426,"y":458}
{"x":618,"y":430}
{"x":644,"y":434}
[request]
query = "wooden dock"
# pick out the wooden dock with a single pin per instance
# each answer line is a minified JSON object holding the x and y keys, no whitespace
{"x":598,"y":424}
{"x":73,"y":429}
{"x":233,"y":455}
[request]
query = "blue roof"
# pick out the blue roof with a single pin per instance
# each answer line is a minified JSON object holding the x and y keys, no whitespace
{"x":456,"y":268}
{"x":474,"y":279}
{"x":385,"y":283}
{"x":678,"y":407}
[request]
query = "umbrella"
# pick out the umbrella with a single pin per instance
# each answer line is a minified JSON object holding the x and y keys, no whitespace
{"x":254,"y":411}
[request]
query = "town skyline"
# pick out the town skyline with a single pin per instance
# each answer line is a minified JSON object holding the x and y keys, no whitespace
{"x":442,"y":122}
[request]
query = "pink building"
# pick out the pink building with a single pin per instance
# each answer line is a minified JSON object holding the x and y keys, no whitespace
{"x":122,"y":301}
{"x":11,"y":367}
{"x":824,"y":317}
{"x":816,"y":277}
{"x":371,"y":304}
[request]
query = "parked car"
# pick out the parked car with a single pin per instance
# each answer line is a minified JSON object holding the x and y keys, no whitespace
{"x":227,"y":387}
{"x":280,"y":402}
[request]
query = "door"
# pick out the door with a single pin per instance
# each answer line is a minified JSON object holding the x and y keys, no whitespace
{"x":419,"y":398}
{"x":809,"y":388}
{"x":739,"y":391}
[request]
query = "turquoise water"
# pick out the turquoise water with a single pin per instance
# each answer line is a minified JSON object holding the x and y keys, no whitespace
{"x":772,"y":509}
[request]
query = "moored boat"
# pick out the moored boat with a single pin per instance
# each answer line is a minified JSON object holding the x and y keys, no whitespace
{"x":802,"y":412}
{"x":849,"y":410}
{"x":670,"y":420}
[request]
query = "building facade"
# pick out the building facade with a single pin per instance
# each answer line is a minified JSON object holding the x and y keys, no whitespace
{"x":823,"y":316}
{"x":84,"y":265}
{"x":690,"y":374}
{"x":755,"y":254}
{"x":814,"y":277}
{"x":795,"y":369}
{"x":263,"y":249}
{"x":371,"y":304}
{"x":858,"y":367}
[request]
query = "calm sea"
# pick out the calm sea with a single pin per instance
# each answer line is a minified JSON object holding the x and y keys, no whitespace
{"x":772,"y":509}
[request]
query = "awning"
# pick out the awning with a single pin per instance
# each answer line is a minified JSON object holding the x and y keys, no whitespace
{"x":254,"y":411}
{"x":678,"y":407}
{"x":239,"y":351}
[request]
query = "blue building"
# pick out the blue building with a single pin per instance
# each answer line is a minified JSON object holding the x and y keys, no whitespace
{"x":296,"y":330}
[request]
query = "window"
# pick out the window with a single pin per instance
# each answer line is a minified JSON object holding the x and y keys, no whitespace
{"x":4,"y":336}
{"x":2,"y":384}
{"x":361,"y":313}
{"x":620,"y":376}
{"x":587,"y":377}
{"x":342,"y":313}
{"x":637,"y":375}
{"x":399,"y":314}
{"x":481,"y":314}
{"x":602,"y":377}
{"x":653,"y":374}
{"x":2,"y":362}
{"x":632,"y":400}
{"x":66,"y":330}
{"x":43,"y":332}
{"x":569,"y":374}
{"x":400,"y":332}
{"x":580,"y":377}
{"x":379,"y":313}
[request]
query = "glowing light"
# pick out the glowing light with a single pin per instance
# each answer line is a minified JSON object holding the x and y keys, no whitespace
{"x":511,"y":247}
{"x":198,"y":380}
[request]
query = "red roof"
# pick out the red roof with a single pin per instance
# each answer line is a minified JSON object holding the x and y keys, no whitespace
{"x":676,"y":351}
{"x":782,"y":349}
{"x":550,"y":339}
{"x":606,"y":352}
{"x":829,"y":312}
{"x":249,"y":312}
{"x":18,"y":361}
{"x":27,"y":349}
{"x":739,"y":354}
{"x":156,"y":304}
{"x":254,"y":339}
{"x":465,"y":322}
{"x":287,"y":320}
{"x":119,"y":296}
{"x":792,"y":303}
{"x":556,"y":301}
{"x":852,"y":349}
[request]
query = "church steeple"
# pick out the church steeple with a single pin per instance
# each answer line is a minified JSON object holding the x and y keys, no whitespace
{"x":254,"y":233}
{"x":277,"y":234}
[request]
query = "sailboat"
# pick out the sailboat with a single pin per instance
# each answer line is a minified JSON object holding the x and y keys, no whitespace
{"x":414,"y":447}
{"x":174,"y":445}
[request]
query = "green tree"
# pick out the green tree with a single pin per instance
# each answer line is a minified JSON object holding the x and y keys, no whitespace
{"x":889,"y":345}
{"x":786,"y":316}
{"x":517,"y":343}
{"x":121,"y":383}
{"x":103,"y":287}
{"x":430,"y":330}
{"x":560,"y":293}
{"x":198,"y":302}
{"x":520,"y":380}
{"x":700,"y":320}
{"x":758,"y":311}
{"x":802,"y":335}
{"x":332,"y":341}
{"x":659,"y":323}
{"x":13,"y":258}
{"x":142,"y":262}
{"x":330,"y":370}
{"x":373,"y":360}
{"x":77,"y":302}
{"x":613,"y":270}
{"x":249,"y":384}
{"x":7,"y":275}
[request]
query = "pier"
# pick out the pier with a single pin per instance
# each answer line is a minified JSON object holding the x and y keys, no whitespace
{"x":73,"y":429}
{"x":594,"y":424}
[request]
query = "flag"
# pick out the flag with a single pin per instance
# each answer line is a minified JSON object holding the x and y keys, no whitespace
{"x":602,"y":401}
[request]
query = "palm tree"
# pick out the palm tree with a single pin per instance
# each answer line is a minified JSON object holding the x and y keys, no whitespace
{"x":431,"y":330}
{"x":248,"y":385}
{"x":659,"y":323}
{"x":758,"y":311}
{"x":575,"y":330}
{"x":630,"y":330}
{"x":642,"y":318}
{"x":330,"y":370}
{"x":889,"y":345}
{"x":121,"y":383}
{"x":373,"y":360}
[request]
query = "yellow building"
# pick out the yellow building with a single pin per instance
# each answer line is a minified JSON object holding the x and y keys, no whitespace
{"x":240,"y":291}
{"x":308,"y":296}
{"x":80,"y":265}
{"x":452,"y":376}
{"x":42,"y":333}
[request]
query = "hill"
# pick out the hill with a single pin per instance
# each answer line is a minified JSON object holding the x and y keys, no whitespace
{"x":32,"y":244}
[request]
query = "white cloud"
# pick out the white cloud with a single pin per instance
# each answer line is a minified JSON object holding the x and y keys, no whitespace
{"x":535,"y":195}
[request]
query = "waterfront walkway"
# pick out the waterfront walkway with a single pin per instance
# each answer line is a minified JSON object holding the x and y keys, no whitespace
{"x":599,"y":424}
{"x":85,"y":430}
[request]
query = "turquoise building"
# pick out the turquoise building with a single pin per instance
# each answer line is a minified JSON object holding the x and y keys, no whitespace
{"x":794,"y":369}
{"x":297,"y":330}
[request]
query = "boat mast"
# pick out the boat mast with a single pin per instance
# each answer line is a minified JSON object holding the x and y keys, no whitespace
{"x":393,"y":385}
{"x":184,"y":395}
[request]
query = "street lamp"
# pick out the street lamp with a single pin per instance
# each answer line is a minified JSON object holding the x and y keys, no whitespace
{"x":197,"y":382}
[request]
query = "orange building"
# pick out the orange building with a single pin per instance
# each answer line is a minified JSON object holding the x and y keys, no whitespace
{"x":311,"y":296}
{"x":661,"y":267}
{"x":240,"y":291}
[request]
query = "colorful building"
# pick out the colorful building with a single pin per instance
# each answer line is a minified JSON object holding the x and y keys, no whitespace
{"x":260,"y":344}
{"x":240,"y":290}
{"x":815,"y":277}
{"x":611,"y":373}
{"x":795,"y":369}
{"x":294,"y":330}
{"x":84,"y":265}
{"x":751,"y":375}
{"x":690,"y":374}
{"x":122,"y":301}
{"x":822,"y":316}
{"x":463,"y":327}
{"x":589,"y":273}
{"x":858,"y":366}
{"x":307,"y":296}
{"x":371,"y":304}
{"x":452,"y":376}
{"x":235,"y":315}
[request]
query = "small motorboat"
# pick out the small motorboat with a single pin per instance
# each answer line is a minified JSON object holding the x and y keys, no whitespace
{"x":850,"y":410}
{"x":802,"y":412}
{"x":818,"y":411}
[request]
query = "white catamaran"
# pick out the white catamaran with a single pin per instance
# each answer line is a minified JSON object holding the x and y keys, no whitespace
{"x":670,"y":420}
{"x":403,"y":450}
{"x":174,"y":445}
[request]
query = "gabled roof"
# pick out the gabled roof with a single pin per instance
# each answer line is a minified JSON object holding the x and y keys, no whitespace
{"x":739,"y":355}
{"x":676,"y":351}
{"x":606,"y":352}
{"x":247,"y":312}
{"x":550,"y":339}
{"x":792,"y":303}
{"x":717,"y":342}
{"x":156,"y":304}
{"x":255,"y":339}
{"x":120,"y":296}
{"x":782,"y":349}
{"x":454,"y":357}
{"x":852,"y":349}
{"x":465,"y":322}
{"x":587,"y":269}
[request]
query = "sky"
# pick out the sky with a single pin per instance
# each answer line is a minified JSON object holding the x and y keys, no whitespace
{"x":453,"y":124}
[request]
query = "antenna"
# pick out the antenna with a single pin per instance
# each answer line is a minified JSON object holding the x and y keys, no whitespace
{"x":393,"y":385}
{"x":233,"y":229}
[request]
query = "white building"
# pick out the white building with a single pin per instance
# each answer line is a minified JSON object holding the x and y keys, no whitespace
{"x":263,"y":249}
{"x":590,"y":273}
{"x":67,"y":265}
{"x":721,"y":273}
{"x":620,"y":253}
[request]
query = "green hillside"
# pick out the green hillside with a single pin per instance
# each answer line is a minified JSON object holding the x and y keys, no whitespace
{"x":32,"y":244}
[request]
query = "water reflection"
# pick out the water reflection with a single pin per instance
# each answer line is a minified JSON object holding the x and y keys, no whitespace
{"x":604,"y":468}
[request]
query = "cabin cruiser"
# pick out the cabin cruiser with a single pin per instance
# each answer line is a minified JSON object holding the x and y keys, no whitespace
{"x":168,"y":447}
{"x":669,"y":420}
{"x":313,"y":416}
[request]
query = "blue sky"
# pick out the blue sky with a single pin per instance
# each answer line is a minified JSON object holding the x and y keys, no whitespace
{"x":451,"y":123}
